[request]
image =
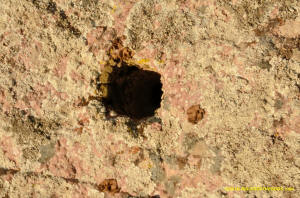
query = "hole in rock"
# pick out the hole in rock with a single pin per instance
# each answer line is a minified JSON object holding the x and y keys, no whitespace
{"x":133,"y":92}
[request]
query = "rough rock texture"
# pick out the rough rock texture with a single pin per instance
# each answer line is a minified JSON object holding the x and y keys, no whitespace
{"x":238,"y":59}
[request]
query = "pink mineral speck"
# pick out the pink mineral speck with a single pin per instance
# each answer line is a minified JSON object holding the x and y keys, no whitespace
{"x":10,"y":149}
{"x":83,"y":118}
{"x":66,"y":161}
{"x":156,"y":126}
{"x":5,"y":104}
{"x":20,"y":104}
{"x":295,"y":124}
{"x":76,"y":77}
{"x":274,"y":13}
{"x":61,"y":68}
{"x":120,"y":14}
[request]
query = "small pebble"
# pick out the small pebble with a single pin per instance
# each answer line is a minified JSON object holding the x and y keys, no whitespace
{"x":195,"y":113}
{"x":112,"y":113}
{"x":102,"y":109}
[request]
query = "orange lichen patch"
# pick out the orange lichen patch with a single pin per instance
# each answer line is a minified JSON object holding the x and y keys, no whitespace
{"x":195,"y":113}
{"x":126,"y":53}
{"x":127,"y":87}
{"x":110,"y":186}
{"x":118,"y":55}
{"x":118,"y":52}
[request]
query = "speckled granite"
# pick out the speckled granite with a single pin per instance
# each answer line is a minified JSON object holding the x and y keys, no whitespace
{"x":239,"y":60}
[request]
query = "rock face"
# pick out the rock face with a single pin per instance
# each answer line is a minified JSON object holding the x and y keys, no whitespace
{"x":149,"y":98}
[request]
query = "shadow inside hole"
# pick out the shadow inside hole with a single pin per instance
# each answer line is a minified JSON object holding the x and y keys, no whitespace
{"x":133,"y":92}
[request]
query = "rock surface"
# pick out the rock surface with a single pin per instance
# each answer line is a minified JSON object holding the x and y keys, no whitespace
{"x":237,"y":59}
